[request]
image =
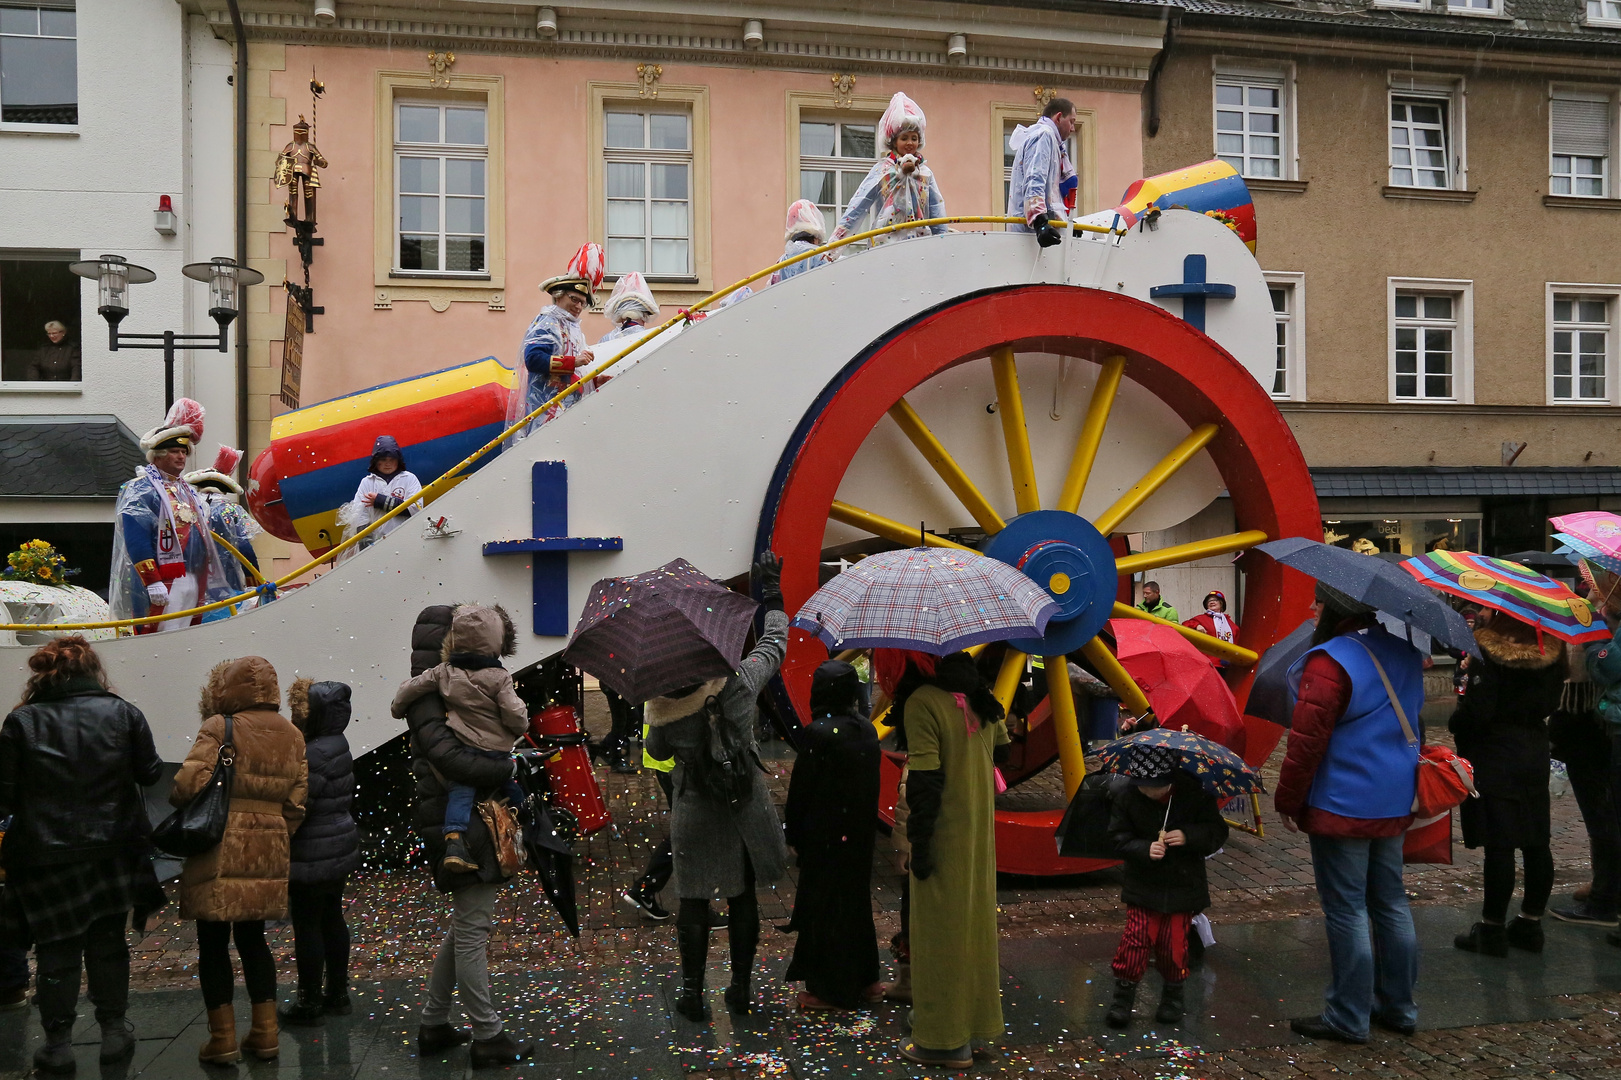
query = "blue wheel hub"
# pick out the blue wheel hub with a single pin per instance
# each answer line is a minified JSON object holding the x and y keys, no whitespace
{"x":1070,"y":559}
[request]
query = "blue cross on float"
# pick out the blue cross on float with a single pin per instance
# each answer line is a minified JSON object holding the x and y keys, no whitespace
{"x":550,"y":545}
{"x":1194,"y":291}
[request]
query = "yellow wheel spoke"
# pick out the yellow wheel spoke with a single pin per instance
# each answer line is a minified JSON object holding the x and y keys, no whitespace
{"x":1086,"y":447}
{"x":1205,"y":643}
{"x":940,"y":459}
{"x":1008,"y":679}
{"x":1121,"y":683}
{"x":1010,"y":407}
{"x":888,"y":528}
{"x":1140,"y":492}
{"x":1199,"y":549}
{"x":1067,"y":727}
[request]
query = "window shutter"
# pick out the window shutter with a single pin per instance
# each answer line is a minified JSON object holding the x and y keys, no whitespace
{"x":1581,"y":128}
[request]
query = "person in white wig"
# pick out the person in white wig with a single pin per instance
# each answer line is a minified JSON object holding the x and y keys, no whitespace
{"x":900,"y":187}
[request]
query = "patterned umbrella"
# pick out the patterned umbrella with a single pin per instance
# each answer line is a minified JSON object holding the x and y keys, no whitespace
{"x":1594,"y":535}
{"x":1511,"y":588}
{"x":651,"y":633}
{"x":1220,"y":772}
{"x":934,"y":600}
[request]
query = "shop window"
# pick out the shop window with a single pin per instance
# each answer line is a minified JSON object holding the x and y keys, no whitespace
{"x":441,"y":171}
{"x":1403,"y":534}
{"x":39,"y":318}
{"x":39,"y":81}
{"x":647,"y":170}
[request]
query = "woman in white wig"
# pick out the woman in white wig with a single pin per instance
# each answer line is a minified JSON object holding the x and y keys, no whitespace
{"x":806,"y":230}
{"x":900,"y":186}
{"x":630,"y":306}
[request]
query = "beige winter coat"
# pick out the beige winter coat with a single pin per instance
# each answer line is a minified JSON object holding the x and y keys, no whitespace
{"x":483,"y":708}
{"x":244,"y":879}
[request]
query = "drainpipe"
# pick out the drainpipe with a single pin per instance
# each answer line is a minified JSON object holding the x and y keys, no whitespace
{"x":241,"y":87}
{"x":1173,"y":18}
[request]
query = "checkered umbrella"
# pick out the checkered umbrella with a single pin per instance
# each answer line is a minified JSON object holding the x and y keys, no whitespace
{"x":1152,"y":753}
{"x":934,"y":600}
{"x":651,"y":633}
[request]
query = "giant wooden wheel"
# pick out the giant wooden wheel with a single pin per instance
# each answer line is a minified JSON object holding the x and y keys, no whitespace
{"x":1184,"y":389}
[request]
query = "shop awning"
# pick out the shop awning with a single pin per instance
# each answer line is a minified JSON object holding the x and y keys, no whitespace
{"x":1484,"y":480}
{"x":66,"y":457}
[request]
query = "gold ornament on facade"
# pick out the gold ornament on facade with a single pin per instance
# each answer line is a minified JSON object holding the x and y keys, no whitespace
{"x":647,"y":78}
{"x":439,"y":69}
{"x":1044,"y":95}
{"x":298,"y":169}
{"x":844,"y":88}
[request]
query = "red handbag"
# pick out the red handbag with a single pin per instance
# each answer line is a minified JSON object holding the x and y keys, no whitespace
{"x":1429,"y":841}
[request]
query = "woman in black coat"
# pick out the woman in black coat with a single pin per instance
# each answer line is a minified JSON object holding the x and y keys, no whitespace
{"x":73,"y":759}
{"x":325,"y":851}
{"x":831,"y":819}
{"x":1501,"y":726}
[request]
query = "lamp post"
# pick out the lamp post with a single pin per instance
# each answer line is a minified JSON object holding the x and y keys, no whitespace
{"x":114,"y":275}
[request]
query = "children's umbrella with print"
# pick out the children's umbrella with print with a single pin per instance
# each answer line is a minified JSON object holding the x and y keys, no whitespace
{"x":934,"y":600}
{"x":654,"y":632}
{"x":1516,"y":590}
{"x":1219,"y":771}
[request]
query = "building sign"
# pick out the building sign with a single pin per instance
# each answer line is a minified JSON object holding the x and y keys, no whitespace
{"x":292,"y":353}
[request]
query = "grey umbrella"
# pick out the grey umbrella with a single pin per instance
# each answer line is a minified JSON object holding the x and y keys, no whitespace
{"x":1380,"y":585}
{"x":1270,"y":695}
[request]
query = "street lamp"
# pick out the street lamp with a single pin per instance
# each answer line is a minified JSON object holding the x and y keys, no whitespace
{"x":114,"y":275}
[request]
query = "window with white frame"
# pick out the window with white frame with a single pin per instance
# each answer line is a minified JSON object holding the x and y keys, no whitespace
{"x":1427,"y":344}
{"x":835,"y":155}
{"x":1579,"y":355}
{"x":1579,"y":127}
{"x":39,"y":81}
{"x":1008,"y":155}
{"x":1475,"y":7}
{"x":1602,"y":12}
{"x":1250,"y":120}
{"x":441,"y":160}
{"x":1420,"y":142}
{"x":1287,"y":294}
{"x":647,"y":168}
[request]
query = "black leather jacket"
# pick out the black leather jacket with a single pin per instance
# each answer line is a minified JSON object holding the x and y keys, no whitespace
{"x":71,"y":770}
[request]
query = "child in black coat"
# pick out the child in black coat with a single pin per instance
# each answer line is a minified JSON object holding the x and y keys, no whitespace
{"x":1164,"y":826}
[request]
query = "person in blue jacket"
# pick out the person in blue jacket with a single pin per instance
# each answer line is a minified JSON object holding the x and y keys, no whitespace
{"x":228,"y":521}
{"x":554,"y":346}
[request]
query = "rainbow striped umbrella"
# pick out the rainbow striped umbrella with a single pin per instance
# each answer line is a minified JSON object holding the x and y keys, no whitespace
{"x":1511,"y":588}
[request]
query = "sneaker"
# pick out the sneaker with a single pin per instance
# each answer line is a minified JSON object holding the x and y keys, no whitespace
{"x":457,"y":860}
{"x":501,"y":1050}
{"x":1583,"y":912}
{"x":647,"y":903}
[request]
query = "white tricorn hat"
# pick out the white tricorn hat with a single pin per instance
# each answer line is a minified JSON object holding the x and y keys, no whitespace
{"x":183,"y":427}
{"x":219,"y":477}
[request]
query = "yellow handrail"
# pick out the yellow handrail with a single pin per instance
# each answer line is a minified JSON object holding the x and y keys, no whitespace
{"x":432,"y":491}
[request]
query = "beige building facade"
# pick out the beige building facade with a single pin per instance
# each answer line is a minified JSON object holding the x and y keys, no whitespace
{"x":1439,"y":220}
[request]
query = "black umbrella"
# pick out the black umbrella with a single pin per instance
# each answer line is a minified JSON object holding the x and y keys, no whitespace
{"x":1270,"y":697}
{"x":1549,"y":563}
{"x":651,"y":633}
{"x":548,"y":850}
{"x":1378,"y":584}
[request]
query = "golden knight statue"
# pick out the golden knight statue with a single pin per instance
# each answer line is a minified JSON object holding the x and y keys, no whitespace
{"x":298,"y":170}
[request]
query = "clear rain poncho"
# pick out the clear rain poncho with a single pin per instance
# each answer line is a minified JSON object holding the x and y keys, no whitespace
{"x":630,"y":306}
{"x":898,"y":188}
{"x":1044,"y":179}
{"x":163,"y":519}
{"x":555,"y":334}
{"x":806,"y":229}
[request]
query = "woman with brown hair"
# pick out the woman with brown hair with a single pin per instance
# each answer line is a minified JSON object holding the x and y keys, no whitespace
{"x":233,"y":888}
{"x":73,"y":758}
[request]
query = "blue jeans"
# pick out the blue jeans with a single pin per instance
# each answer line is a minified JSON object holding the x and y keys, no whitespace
{"x":1359,"y":883}
{"x":460,"y":797}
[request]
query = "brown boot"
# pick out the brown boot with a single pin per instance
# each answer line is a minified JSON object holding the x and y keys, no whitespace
{"x":262,"y":1041}
{"x":220,"y":1049}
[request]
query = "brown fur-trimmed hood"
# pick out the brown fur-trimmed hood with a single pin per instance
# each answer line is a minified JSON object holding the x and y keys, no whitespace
{"x":480,"y":631}
{"x":1513,"y":644}
{"x":298,"y":702}
{"x":666,"y":710}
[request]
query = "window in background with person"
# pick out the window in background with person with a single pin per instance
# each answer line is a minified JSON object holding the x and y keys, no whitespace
{"x":39,"y":80}
{"x":39,"y":318}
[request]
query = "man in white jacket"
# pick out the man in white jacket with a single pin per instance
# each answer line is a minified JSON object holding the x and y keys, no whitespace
{"x":1044,"y":179}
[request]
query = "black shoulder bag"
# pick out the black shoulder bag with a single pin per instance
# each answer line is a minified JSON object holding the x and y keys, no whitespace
{"x":199,"y":826}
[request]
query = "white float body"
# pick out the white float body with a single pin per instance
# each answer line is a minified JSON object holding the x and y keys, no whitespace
{"x":676,"y":453}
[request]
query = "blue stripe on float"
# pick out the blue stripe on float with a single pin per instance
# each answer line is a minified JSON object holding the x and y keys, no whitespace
{"x":325,"y":489}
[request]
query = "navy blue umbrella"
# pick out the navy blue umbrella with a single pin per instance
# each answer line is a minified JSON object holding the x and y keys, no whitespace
{"x":1380,"y":585}
{"x":1270,"y":697}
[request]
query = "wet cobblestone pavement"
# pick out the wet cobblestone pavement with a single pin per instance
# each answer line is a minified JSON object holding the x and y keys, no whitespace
{"x":600,"y":1007}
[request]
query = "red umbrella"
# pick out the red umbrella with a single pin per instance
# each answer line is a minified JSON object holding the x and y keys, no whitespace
{"x":1183,"y":685}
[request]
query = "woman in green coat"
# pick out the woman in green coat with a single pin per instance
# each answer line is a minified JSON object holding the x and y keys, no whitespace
{"x":953,"y":727}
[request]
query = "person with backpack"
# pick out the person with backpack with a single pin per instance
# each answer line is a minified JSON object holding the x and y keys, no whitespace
{"x":724,"y":832}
